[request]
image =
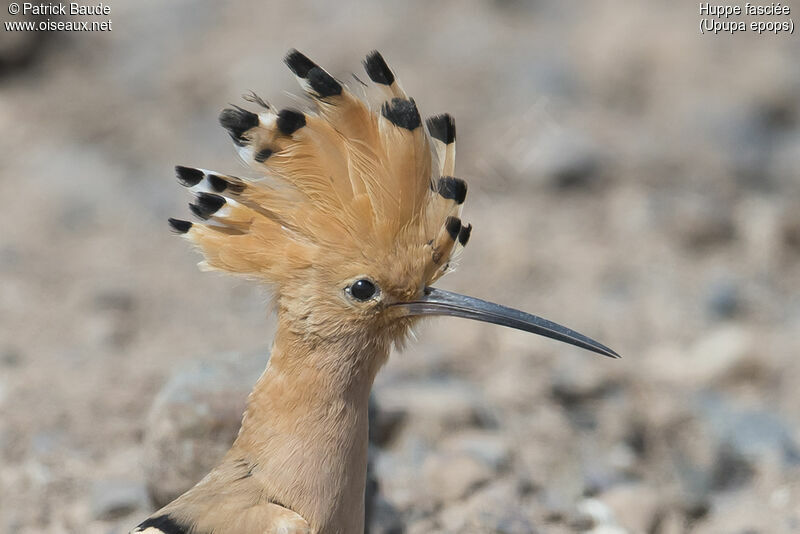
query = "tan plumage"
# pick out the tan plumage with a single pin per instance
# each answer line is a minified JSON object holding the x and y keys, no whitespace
{"x":356,"y":214}
{"x":348,"y":192}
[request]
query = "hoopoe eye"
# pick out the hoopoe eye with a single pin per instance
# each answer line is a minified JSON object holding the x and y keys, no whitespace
{"x":362,"y":289}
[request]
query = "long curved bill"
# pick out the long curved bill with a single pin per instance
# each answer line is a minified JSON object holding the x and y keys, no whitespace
{"x":440,"y":302}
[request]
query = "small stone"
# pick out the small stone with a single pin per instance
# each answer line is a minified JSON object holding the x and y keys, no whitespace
{"x":194,"y":420}
{"x":721,"y":353}
{"x":452,"y":477}
{"x":495,"y":508}
{"x":490,"y":448}
{"x":383,"y":423}
{"x":590,"y":514}
{"x":384,"y":518}
{"x":701,"y":222}
{"x":114,"y":499}
{"x":566,"y":160}
{"x":724,"y":299}
{"x":636,"y":507}
{"x":575,"y":380}
{"x":436,"y":404}
{"x":750,"y":435}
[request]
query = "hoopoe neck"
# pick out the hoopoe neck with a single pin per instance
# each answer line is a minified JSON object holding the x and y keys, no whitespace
{"x":305,"y":430}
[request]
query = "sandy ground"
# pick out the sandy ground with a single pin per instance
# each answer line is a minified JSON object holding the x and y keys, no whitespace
{"x":628,"y":177}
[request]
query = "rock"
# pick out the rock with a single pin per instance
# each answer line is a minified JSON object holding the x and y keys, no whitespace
{"x":724,"y":352}
{"x":724,"y":299}
{"x":450,"y":477}
{"x":496,"y":508}
{"x":114,"y":499}
{"x":381,"y":516}
{"x":436,"y":405}
{"x":399,"y":470}
{"x":491,"y":448}
{"x":21,"y":49}
{"x":790,"y":232}
{"x":636,"y":507}
{"x":721,"y":447}
{"x":194,"y":420}
{"x":701,"y":222}
{"x":608,"y":529}
{"x":575,"y":380}
{"x":384,"y":518}
{"x":744,"y":439}
{"x":591,"y":514}
{"x":383,"y":423}
{"x":565,"y":159}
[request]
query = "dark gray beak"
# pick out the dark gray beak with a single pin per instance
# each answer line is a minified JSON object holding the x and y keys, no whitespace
{"x":440,"y":302}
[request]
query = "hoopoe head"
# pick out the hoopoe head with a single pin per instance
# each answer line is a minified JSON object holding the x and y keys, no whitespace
{"x":356,"y":215}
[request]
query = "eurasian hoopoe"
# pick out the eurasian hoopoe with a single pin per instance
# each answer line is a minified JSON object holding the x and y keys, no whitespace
{"x":359,"y":215}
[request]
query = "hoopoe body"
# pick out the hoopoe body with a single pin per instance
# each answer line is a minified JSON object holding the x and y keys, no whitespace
{"x":357,"y":215}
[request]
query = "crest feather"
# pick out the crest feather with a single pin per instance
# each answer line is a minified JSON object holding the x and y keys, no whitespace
{"x":342,"y":178}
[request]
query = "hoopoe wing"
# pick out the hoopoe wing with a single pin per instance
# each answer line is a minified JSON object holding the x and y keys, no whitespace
{"x":227,"y":501}
{"x":263,"y":518}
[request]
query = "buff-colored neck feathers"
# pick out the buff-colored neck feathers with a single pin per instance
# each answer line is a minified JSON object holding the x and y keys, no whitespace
{"x":345,"y":180}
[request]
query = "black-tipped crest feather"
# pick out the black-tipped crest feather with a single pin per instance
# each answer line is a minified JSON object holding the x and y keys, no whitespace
{"x":452,"y":188}
{"x":323,"y":83}
{"x":237,"y":121}
{"x":209,"y":203}
{"x":453,"y":225}
{"x":290,"y":120}
{"x":179,"y":226}
{"x":463,"y":235}
{"x":188,"y":176}
{"x":442,"y":127}
{"x":377,"y":69}
{"x":298,"y":63}
{"x":402,"y":112}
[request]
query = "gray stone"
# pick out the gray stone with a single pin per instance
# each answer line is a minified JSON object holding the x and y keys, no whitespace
{"x":436,"y":404}
{"x":384,"y":519}
{"x":488,"y":447}
{"x":383,"y":423}
{"x":495,"y":508}
{"x":114,"y":499}
{"x":566,"y":159}
{"x":194,"y":420}
{"x":636,"y":507}
{"x":744,"y":438}
{"x":720,"y":354}
{"x":450,"y":477}
{"x":701,"y":221}
{"x":724,"y":299}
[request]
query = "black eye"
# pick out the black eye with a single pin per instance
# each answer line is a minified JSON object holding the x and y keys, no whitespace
{"x":363,"y":289}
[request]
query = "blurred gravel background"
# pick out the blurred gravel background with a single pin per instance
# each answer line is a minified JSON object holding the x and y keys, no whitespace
{"x":628,"y":177}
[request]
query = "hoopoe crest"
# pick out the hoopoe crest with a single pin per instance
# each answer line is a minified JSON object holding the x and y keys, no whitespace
{"x":358,"y":208}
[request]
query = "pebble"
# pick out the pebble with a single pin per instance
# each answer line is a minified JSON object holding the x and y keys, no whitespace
{"x":635,"y":506}
{"x":721,"y":353}
{"x":564,"y":159}
{"x":495,"y":508}
{"x":113,"y":499}
{"x":384,"y":518}
{"x":724,"y":299}
{"x":436,"y":405}
{"x":194,"y":420}
{"x":491,"y":448}
{"x":450,"y":477}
